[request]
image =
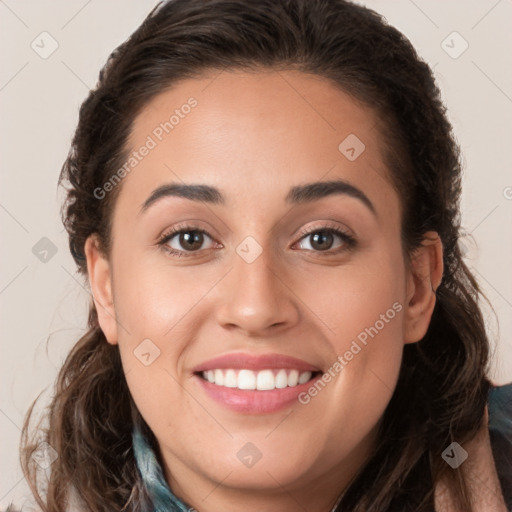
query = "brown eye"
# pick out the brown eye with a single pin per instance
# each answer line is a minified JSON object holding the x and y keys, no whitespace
{"x":190,"y":242}
{"x":323,"y":240}
{"x":181,"y":241}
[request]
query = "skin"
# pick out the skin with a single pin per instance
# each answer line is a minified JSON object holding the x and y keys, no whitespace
{"x":480,"y":471}
{"x":254,"y":136}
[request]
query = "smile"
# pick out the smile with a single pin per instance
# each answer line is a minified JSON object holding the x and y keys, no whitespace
{"x":263,"y":380}
{"x":255,"y":383}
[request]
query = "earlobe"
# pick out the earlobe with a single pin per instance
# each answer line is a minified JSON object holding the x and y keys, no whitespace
{"x":424,"y":277}
{"x":100,"y":280}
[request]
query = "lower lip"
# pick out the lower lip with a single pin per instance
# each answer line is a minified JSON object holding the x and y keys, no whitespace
{"x":255,"y":401}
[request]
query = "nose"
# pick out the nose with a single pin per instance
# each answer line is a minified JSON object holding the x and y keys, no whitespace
{"x":256,"y":298}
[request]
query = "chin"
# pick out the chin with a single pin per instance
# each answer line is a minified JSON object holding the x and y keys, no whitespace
{"x":263,"y":470}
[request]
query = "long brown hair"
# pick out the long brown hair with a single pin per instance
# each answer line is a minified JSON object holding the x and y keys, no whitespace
{"x":442,"y":387}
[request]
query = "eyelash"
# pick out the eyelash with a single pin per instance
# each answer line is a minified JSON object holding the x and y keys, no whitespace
{"x":349,"y":242}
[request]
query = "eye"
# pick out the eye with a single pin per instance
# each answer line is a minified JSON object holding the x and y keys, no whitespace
{"x":183,"y":239}
{"x":321,"y":239}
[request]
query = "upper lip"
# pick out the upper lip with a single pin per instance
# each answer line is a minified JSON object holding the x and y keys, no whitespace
{"x":255,"y":362}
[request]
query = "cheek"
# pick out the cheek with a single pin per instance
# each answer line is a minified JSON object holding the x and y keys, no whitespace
{"x":359,"y":301}
{"x":365,"y":369}
{"x":154,"y":300}
{"x":156,"y":307}
{"x":364,"y":312}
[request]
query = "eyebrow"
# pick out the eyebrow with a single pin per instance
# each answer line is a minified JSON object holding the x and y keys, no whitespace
{"x":299,"y":194}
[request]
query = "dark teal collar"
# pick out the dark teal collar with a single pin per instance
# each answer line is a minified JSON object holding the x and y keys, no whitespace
{"x":162,"y":497}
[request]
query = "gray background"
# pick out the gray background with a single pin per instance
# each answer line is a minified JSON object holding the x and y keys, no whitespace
{"x":40,"y":295}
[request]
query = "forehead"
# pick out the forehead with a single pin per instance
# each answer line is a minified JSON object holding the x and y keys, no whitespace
{"x":253,"y":134}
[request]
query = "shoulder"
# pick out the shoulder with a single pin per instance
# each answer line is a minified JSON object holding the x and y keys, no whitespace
{"x":500,"y":433}
{"x":500,"y":409}
{"x":487,"y":469}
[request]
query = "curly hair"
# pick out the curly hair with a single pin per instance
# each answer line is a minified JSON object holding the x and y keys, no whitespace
{"x":442,"y":388}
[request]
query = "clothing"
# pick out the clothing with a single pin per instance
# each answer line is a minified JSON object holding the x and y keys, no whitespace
{"x":500,"y":432}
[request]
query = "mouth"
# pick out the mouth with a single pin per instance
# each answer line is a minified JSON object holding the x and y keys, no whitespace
{"x":255,"y":384}
{"x":262,"y":380}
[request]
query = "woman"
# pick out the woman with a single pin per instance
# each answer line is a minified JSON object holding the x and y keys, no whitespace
{"x":264,"y":199}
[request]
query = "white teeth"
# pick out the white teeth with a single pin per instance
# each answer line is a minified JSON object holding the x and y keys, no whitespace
{"x":304,"y":377}
{"x":263,"y":380}
{"x":230,"y":379}
{"x":219,"y":377}
{"x":246,"y":379}
{"x":293,"y":378}
{"x":281,"y":379}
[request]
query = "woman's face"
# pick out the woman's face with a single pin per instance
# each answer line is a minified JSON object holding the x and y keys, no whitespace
{"x":255,"y":294}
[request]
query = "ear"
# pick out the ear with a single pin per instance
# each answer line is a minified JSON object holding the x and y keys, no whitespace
{"x":98,"y":268}
{"x":425,"y":273}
